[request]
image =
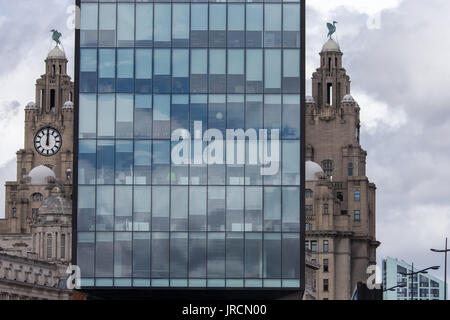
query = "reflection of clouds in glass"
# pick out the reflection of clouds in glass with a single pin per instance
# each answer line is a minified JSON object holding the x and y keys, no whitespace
{"x":161,"y":108}
{"x":219,"y":115}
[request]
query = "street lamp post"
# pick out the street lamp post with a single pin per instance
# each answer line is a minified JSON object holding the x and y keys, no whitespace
{"x":412,"y":273}
{"x":445,"y":251}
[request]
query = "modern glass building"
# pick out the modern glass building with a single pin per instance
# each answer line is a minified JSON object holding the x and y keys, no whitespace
{"x":423,"y":286}
{"x":146,"y":69}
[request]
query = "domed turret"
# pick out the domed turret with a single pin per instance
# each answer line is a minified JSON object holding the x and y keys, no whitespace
{"x":40,"y":174}
{"x":312,"y":169}
{"x":348,"y":98}
{"x":68,"y":105}
{"x":31,"y":106}
{"x":331,"y":46}
{"x":56,"y":53}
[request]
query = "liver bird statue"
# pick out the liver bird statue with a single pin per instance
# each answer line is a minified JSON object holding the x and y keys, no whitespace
{"x":331,"y":28}
{"x":56,"y":36}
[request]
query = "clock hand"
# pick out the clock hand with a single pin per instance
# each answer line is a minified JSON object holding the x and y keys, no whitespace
{"x":48,"y":137}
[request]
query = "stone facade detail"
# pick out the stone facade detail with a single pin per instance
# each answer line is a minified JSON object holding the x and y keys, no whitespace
{"x":35,"y":236}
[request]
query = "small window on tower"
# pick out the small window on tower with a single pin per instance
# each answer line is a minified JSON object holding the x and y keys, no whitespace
{"x":24,"y":172}
{"x":14,"y":212}
{"x":49,"y":246}
{"x":52,"y":100}
{"x":325,"y":265}
{"x":325,"y":209}
{"x":314,"y":245}
{"x":329,"y":65}
{"x":327,"y":166}
{"x":325,"y":285}
{"x":53,"y":70}
{"x":350,"y":169}
{"x":330,"y":94}
{"x":63,"y":246}
{"x":325,"y":245}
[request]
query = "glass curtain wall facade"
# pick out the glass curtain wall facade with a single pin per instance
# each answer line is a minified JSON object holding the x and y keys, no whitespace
{"x":148,"y":68}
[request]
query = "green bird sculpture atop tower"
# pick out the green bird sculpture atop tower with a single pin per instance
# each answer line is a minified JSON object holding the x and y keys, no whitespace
{"x":331,"y":28}
{"x":56,"y":36}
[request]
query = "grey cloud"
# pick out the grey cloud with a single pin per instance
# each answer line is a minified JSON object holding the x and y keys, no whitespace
{"x":26,"y":24}
{"x":8,"y":111}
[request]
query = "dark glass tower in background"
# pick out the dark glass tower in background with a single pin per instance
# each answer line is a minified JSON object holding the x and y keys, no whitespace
{"x":145,"y":69}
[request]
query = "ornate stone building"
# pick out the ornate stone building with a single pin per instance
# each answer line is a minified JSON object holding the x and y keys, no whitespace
{"x":340,"y":199}
{"x":36,"y":232}
{"x":48,"y":142}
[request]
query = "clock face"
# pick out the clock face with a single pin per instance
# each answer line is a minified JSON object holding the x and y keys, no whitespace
{"x":48,"y":141}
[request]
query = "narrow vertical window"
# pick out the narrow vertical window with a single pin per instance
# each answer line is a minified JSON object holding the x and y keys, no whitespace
{"x":327,"y":166}
{"x":325,"y":285}
{"x":325,"y":209}
{"x":357,"y":195}
{"x":49,"y":246}
{"x":325,"y":245}
{"x":63,"y":246}
{"x":329,"y":94}
{"x":350,"y":169}
{"x":357,"y":215}
{"x":325,"y":265}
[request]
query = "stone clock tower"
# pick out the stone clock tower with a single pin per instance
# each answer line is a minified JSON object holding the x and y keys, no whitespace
{"x":47,"y":158}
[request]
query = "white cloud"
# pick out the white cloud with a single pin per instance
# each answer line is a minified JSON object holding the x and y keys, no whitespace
{"x":375,"y":114}
{"x":361,"y":6}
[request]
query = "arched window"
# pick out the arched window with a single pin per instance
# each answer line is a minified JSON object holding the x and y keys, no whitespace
{"x":350,"y":169}
{"x":308,"y":193}
{"x":14,"y":212}
{"x":38,"y":196}
{"x":49,"y":246}
{"x":327,"y":166}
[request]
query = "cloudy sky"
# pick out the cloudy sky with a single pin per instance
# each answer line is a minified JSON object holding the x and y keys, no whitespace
{"x":394,"y":51}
